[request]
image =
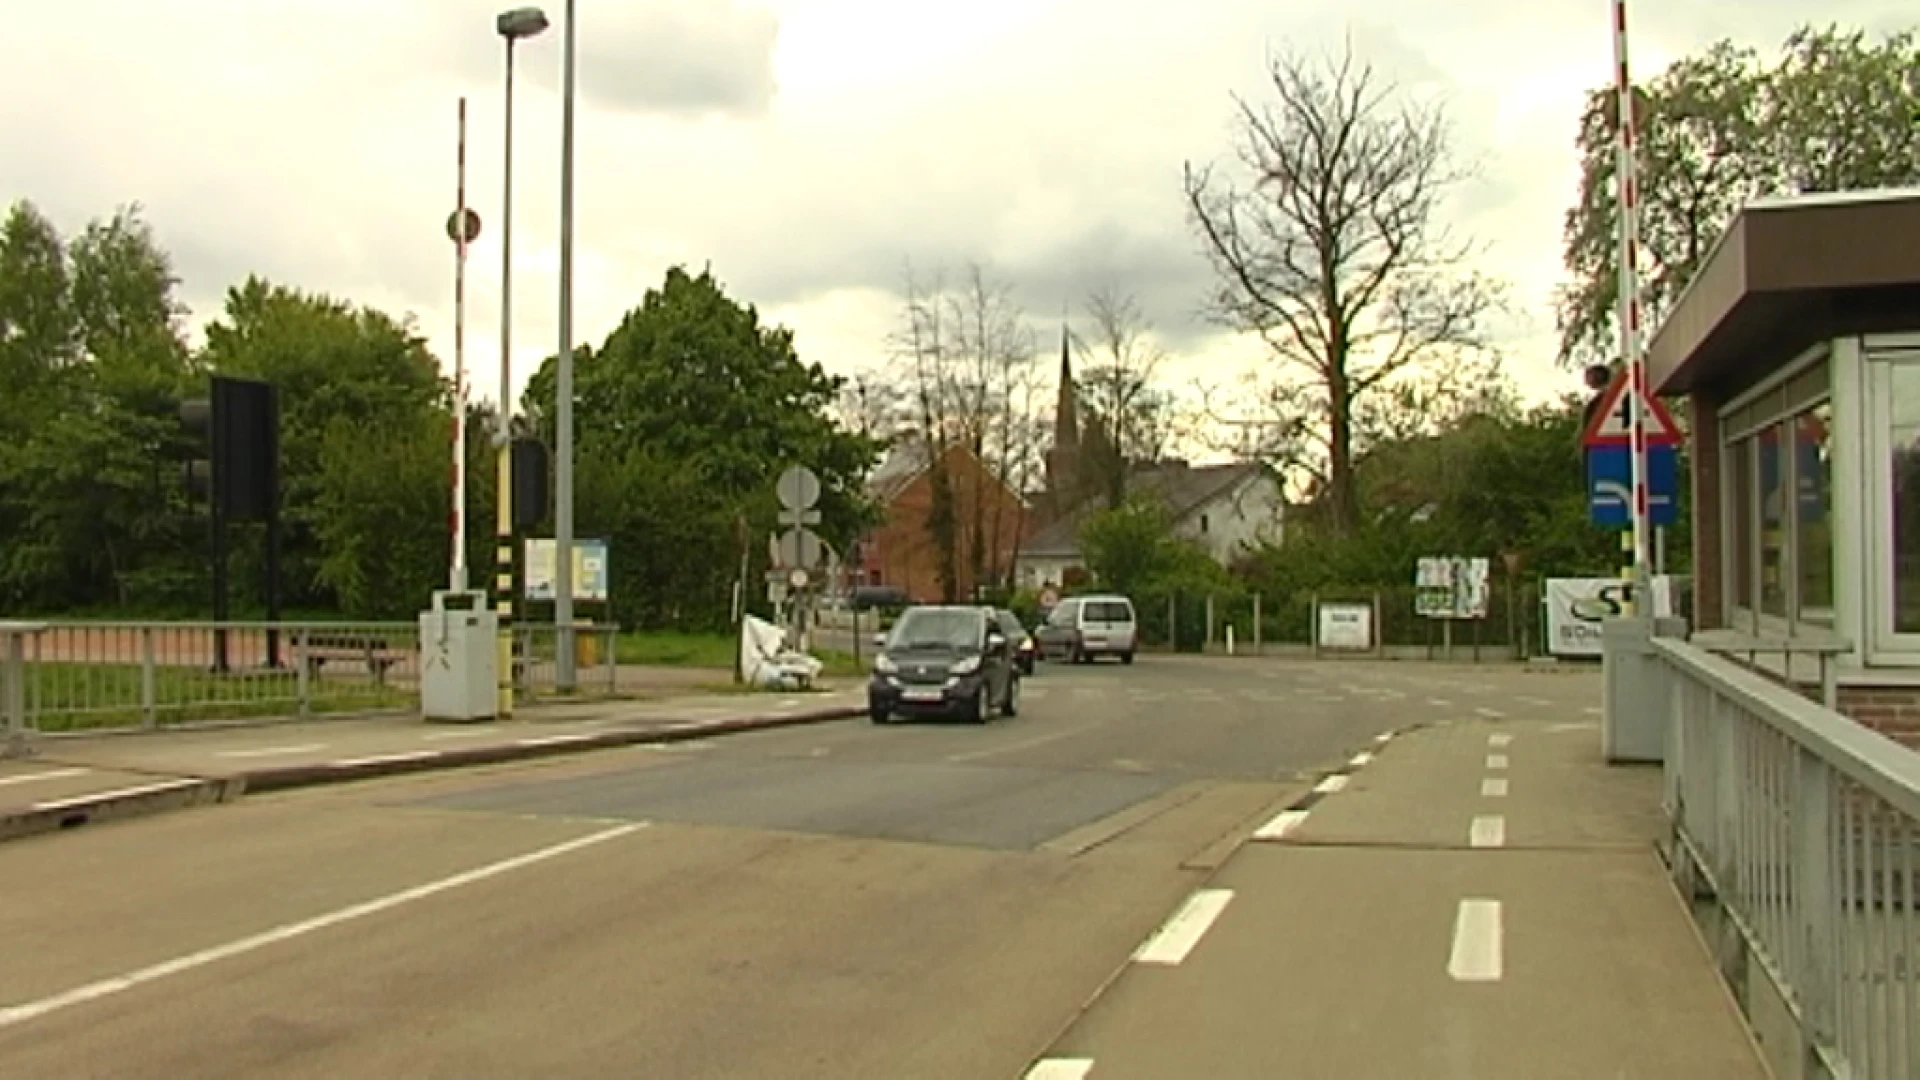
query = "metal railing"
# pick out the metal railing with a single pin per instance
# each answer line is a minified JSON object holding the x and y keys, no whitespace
{"x":596,"y":667}
{"x":93,"y":675}
{"x":89,"y":676}
{"x":1802,"y":823}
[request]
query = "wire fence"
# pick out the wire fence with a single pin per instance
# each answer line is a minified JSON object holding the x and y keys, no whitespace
{"x":1512,"y":627}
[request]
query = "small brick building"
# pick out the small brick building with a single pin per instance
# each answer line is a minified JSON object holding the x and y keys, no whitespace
{"x":1797,"y":350}
{"x":901,"y":551}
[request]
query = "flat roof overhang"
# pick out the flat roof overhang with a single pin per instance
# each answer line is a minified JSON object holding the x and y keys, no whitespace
{"x":1789,"y":273}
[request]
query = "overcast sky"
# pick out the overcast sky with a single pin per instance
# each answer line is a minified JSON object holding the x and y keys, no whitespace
{"x":807,"y":149}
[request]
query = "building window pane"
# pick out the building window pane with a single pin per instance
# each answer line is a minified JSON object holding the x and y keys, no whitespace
{"x":1739,"y":475}
{"x":1813,"y":510}
{"x":1904,"y":444}
{"x":1773,"y":521}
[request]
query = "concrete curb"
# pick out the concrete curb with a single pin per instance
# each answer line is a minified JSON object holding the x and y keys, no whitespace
{"x":160,"y":796}
{"x":178,"y":793}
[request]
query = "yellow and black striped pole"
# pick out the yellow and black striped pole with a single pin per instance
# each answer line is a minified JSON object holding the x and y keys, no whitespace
{"x":503,"y":574}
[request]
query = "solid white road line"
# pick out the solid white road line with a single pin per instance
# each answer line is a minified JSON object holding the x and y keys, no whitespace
{"x":1491,"y":714}
{"x":1331,"y":784}
{"x":1593,"y":710}
{"x":556,"y":740}
{"x":1060,"y":1069}
{"x":1494,"y":787}
{"x":382,"y":759}
{"x":1360,"y":759}
{"x":460,"y":733}
{"x":1496,"y":761}
{"x":1542,"y":702}
{"x":1476,"y":942}
{"x":50,"y":774}
{"x":273,"y":751}
{"x":13,"y":1015}
{"x":117,"y":793}
{"x":1488,"y":830}
{"x":1280,"y":825}
{"x":1178,"y":936}
{"x":1499,"y":739}
{"x":1439,"y":703}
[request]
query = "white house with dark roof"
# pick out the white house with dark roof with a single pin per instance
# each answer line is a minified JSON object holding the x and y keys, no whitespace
{"x":1226,"y":509}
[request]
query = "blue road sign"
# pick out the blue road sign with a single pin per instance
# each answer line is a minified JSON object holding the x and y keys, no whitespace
{"x":1610,"y":486}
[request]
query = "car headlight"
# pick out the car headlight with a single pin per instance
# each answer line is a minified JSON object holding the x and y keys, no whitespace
{"x":966,"y":666}
{"x":884,"y":664}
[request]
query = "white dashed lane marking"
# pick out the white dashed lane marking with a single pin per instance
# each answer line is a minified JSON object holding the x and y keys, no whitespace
{"x":50,"y":774}
{"x":1488,"y":831}
{"x":1329,"y":785}
{"x":1280,"y":825}
{"x":1060,"y":1069}
{"x":1496,"y":761}
{"x":1491,"y":714}
{"x":273,"y":751}
{"x":1180,"y":934}
{"x":1499,"y":740}
{"x":1494,"y":787}
{"x":1476,"y":942}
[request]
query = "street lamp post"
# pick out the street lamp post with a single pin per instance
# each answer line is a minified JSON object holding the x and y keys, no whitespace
{"x":512,"y":26}
{"x":563,"y":666}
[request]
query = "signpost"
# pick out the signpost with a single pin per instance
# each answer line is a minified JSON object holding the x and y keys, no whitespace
{"x":1608,"y":442}
{"x":798,"y":551}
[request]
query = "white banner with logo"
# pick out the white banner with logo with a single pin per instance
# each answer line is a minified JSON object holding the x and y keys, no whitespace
{"x":1576,"y":608}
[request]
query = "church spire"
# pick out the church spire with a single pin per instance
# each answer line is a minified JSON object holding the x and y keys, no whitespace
{"x":1066,"y":411}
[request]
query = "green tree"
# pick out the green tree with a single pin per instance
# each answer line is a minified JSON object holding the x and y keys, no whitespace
{"x":693,"y":401}
{"x":92,"y":347}
{"x":1837,"y":111}
{"x":351,"y":381}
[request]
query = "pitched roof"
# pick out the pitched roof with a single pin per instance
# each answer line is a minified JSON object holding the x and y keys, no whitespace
{"x":906,"y":460}
{"x":1181,"y":488}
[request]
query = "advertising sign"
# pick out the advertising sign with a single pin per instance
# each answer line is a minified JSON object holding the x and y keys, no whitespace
{"x":589,"y":569}
{"x":1576,"y":608}
{"x":1346,"y":626}
{"x":1450,"y":588}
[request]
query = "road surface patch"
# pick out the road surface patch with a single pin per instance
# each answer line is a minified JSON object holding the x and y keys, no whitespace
{"x":14,"y":1015}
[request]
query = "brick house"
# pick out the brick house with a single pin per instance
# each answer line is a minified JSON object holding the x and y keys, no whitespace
{"x":1797,"y":350}
{"x":901,"y":552}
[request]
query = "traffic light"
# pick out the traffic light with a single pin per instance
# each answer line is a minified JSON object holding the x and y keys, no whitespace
{"x":236,"y":436}
{"x":530,"y":470}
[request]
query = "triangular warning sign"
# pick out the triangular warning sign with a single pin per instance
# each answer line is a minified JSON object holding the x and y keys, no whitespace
{"x":1609,"y":424}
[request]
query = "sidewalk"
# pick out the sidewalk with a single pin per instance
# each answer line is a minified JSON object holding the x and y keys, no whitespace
{"x":1477,"y":900}
{"x":78,"y":779}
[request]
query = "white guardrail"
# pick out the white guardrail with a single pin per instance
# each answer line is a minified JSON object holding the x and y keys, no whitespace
{"x":1802,"y":823}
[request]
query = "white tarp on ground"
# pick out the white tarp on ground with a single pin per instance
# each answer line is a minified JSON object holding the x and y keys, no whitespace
{"x":766,"y":661}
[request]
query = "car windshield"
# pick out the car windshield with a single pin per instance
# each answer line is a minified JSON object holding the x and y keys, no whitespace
{"x":936,"y":628}
{"x":1107,"y":611}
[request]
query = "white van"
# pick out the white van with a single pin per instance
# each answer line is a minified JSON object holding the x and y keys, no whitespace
{"x":1080,"y":628}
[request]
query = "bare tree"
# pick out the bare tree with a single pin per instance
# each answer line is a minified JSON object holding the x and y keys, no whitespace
{"x":873,"y":405}
{"x":1129,"y":415}
{"x":1331,"y":249}
{"x":968,"y":378}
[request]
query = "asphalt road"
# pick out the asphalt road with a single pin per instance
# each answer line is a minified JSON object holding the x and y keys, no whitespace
{"x":845,"y":900}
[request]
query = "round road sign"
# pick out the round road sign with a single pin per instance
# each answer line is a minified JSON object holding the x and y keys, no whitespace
{"x":473,"y":226}
{"x":797,"y":579}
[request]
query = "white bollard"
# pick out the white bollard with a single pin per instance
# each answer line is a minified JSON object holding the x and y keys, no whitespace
{"x":1229,"y":639}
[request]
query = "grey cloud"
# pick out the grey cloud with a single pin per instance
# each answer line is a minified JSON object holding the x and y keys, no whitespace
{"x":714,"y":57}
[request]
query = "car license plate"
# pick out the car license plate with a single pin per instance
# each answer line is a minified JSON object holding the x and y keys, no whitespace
{"x":921,"y":693}
{"x":1096,"y":641}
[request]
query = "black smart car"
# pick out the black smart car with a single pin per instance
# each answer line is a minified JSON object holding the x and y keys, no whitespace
{"x":944,"y":661}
